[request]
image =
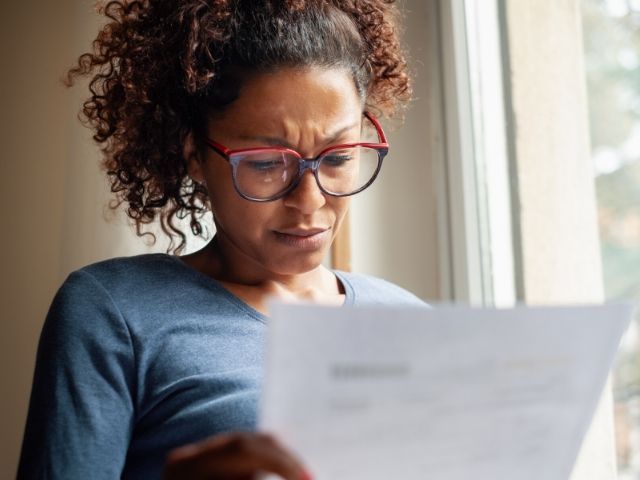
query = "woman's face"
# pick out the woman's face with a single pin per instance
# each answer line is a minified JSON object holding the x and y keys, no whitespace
{"x":306,"y":110}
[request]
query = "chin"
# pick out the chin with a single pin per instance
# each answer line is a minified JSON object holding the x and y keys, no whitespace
{"x":298,"y":265}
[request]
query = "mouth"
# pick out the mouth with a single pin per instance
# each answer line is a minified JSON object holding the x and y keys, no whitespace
{"x":303,"y":238}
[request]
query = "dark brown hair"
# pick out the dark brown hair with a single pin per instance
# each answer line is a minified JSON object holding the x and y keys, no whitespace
{"x":159,"y":67}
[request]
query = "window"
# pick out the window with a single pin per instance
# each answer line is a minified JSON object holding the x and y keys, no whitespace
{"x":612,"y":53}
{"x":523,"y":222}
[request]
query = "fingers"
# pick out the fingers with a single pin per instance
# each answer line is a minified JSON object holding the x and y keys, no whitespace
{"x":234,"y":456}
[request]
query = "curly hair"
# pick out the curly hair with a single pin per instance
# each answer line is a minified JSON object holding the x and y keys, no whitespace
{"x":159,"y":67}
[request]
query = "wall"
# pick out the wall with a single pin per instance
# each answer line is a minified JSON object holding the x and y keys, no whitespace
{"x":33,"y":135}
{"x":395,"y":222}
{"x":52,"y":195}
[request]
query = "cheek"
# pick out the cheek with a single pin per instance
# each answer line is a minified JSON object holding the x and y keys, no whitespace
{"x":225,"y":202}
{"x":239,"y":217}
{"x":340,"y":206}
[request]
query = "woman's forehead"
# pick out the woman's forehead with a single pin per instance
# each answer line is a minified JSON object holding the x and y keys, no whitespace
{"x":322,"y":101}
{"x":322,"y":89}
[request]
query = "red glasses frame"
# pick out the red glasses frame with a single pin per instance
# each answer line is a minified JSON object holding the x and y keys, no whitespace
{"x":304,"y":164}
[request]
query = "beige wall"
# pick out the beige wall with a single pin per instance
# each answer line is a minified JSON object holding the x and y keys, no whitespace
{"x":53,"y":195}
{"x":33,"y":139}
{"x":394,"y":223}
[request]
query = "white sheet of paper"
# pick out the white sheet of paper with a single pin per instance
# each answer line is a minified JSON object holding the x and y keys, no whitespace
{"x":442,"y":394}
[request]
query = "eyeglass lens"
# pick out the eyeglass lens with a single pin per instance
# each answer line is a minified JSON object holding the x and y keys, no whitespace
{"x":266,"y":174}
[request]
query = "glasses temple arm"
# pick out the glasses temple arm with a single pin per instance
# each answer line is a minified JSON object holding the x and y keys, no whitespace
{"x":374,"y":120}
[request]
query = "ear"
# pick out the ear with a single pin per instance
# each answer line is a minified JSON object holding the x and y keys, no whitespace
{"x":192,"y":157}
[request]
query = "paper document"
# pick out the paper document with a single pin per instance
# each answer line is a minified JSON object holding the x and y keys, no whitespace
{"x":439,"y":394}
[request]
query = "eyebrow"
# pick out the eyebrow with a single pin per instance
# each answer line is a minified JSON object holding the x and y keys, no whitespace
{"x":281,"y":142}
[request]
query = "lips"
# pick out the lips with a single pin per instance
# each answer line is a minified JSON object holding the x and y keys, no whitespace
{"x":307,"y":238}
{"x":302,"y":232}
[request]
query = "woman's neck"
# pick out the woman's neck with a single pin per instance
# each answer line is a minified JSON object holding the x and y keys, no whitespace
{"x":255,"y":285}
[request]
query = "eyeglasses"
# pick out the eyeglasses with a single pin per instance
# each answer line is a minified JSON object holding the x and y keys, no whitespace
{"x":265,"y":174}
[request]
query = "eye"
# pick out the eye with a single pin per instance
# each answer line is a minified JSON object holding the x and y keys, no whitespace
{"x":264,"y":165}
{"x":337,"y":159}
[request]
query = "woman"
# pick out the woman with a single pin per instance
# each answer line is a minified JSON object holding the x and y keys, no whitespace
{"x":151,"y":365}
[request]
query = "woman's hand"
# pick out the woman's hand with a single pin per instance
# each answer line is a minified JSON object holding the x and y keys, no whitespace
{"x":236,"y":456}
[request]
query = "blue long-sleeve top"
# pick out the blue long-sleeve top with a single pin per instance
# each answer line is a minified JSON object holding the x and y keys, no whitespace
{"x":141,"y":355}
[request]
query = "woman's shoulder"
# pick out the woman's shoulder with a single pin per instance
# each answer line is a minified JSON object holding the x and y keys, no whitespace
{"x":93,"y":301}
{"x":367,"y":289}
{"x":150,"y":269}
{"x":136,"y":291}
{"x":127,"y":277}
{"x":135,"y":266}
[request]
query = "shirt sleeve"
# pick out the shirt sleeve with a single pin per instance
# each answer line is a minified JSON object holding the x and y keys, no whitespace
{"x":81,"y":409}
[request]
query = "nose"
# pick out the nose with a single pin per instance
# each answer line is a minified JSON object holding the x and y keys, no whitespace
{"x":307,"y":196}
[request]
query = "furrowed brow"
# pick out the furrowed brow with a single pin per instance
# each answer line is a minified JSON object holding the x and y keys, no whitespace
{"x":281,"y":142}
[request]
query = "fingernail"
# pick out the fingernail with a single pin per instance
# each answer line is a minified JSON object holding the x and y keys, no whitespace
{"x":306,"y":476}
